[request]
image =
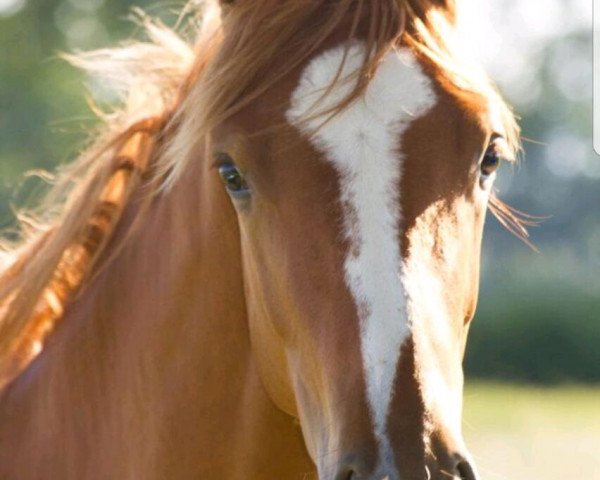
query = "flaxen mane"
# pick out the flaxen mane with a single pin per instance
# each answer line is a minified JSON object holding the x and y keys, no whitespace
{"x":175,"y":92}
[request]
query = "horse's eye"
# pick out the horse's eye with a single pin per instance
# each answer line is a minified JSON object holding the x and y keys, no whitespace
{"x":490,"y":162}
{"x":232,"y":179}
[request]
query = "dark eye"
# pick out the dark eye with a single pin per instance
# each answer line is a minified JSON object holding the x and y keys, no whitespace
{"x":232,"y":179}
{"x":490,"y":161}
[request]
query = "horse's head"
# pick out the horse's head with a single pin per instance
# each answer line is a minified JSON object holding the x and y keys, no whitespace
{"x":360,"y":181}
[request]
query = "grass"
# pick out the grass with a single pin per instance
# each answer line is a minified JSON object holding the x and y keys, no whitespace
{"x":525,"y":433}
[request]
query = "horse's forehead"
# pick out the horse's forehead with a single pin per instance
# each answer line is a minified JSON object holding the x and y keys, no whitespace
{"x":404,"y":97}
{"x":398,"y":93}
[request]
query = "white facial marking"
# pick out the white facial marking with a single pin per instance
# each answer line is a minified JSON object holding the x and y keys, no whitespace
{"x":363,"y":142}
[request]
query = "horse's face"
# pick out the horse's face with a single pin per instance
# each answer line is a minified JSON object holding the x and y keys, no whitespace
{"x":361,"y":242}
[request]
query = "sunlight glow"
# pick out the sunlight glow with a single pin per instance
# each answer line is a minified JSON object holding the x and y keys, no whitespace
{"x":509,"y":32}
{"x":10,"y":7}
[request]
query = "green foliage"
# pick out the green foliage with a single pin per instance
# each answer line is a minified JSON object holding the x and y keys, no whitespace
{"x":44,"y":114}
{"x":545,"y":333}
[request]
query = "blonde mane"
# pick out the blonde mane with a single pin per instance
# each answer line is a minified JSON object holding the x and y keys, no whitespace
{"x":174,"y":93}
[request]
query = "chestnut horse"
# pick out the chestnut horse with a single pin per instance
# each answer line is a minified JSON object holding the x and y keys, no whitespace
{"x":267,"y":265}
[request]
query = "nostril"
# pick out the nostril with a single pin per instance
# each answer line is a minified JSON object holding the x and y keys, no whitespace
{"x":354,"y":467}
{"x":465,"y":471}
{"x":346,"y":473}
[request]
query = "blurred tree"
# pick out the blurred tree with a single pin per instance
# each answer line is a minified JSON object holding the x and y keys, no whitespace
{"x":44,"y":115}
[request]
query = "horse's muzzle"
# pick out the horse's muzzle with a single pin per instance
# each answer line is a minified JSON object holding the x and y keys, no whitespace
{"x":461,"y":470}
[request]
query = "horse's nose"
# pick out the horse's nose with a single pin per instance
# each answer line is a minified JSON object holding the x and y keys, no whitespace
{"x":348,"y":473}
{"x":450,"y":467}
{"x":353,"y":468}
{"x":357,"y":470}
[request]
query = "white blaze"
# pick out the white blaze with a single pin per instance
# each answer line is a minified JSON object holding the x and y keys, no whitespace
{"x":363,"y":143}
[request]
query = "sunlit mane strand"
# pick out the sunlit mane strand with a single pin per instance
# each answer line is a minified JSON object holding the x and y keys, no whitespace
{"x":175,"y":92}
{"x":59,"y":251}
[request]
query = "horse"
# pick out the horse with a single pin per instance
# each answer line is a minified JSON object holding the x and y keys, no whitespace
{"x":267,"y":263}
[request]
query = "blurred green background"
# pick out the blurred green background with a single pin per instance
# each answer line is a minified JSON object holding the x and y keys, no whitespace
{"x":537,"y":325}
{"x":539,"y":313}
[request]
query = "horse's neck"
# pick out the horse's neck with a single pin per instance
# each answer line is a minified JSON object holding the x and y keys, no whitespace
{"x":150,"y":374}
